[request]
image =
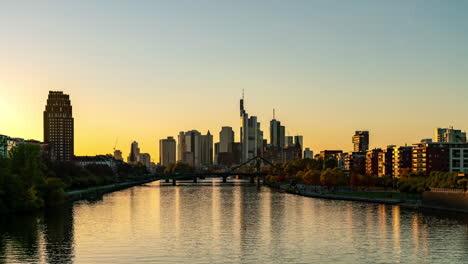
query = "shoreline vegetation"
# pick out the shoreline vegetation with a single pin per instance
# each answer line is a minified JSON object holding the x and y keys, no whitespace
{"x":321,"y":178}
{"x":29,"y":182}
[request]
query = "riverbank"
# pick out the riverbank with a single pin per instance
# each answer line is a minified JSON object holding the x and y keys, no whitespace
{"x":400,"y":199}
{"x":75,"y":195}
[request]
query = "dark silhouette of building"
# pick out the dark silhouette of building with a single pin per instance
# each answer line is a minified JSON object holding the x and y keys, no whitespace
{"x":372,"y":162}
{"x":59,"y":127}
{"x":361,"y":141}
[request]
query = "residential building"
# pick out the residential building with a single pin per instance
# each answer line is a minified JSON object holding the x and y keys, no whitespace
{"x":385,"y":163}
{"x":100,"y":160}
{"x":428,"y":157}
{"x":458,"y":158}
{"x":8,"y":143}
{"x":450,"y":135}
{"x":356,"y":162}
{"x":341,"y":160}
{"x":372,"y":162}
{"x":361,"y":141}
{"x":325,"y":154}
{"x":59,"y":127}
{"x":167,"y":151}
{"x":402,"y":160}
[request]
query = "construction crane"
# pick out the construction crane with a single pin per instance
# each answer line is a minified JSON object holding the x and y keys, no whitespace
{"x":115,"y":145}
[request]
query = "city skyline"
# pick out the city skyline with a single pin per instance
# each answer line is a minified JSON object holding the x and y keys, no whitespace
{"x":168,"y":68}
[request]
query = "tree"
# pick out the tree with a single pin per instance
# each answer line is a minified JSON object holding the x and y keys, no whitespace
{"x":328,"y":178}
{"x":26,"y":162}
{"x":312,"y":177}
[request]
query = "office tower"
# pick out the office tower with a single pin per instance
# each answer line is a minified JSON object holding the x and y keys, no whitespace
{"x":226,"y":138}
{"x":59,"y":127}
{"x":450,"y":135}
{"x":207,"y":150}
{"x":167,"y":151}
{"x":189,"y":147}
{"x":299,"y":141}
{"x":289,"y":141}
{"x":250,"y":134}
{"x":361,"y":141}
{"x":118,"y":155}
{"x":277,"y":133}
{"x":134,"y":156}
{"x":308,"y":154}
{"x":145,"y":159}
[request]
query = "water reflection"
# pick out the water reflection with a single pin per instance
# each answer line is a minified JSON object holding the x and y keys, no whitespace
{"x":215,"y":223}
{"x":40,"y":238}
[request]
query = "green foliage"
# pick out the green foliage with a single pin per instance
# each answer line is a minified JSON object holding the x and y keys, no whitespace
{"x":27,"y":182}
{"x":54,"y":193}
{"x":439,"y":179}
{"x":333,"y":177}
{"x":413,"y":185}
{"x":27,"y":163}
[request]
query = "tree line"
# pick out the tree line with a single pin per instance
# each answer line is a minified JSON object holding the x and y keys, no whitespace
{"x":29,"y":181}
{"x":325,"y":172}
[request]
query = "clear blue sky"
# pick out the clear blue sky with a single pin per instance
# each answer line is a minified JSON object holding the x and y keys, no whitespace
{"x":145,"y":70}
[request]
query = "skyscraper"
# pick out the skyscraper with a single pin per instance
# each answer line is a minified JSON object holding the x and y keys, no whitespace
{"x":299,"y":141}
{"x":134,"y":156}
{"x":59,"y":127}
{"x":226,"y":138}
{"x":189,"y":147}
{"x":206,"y":150}
{"x":250,"y":134}
{"x":277,"y":133}
{"x":361,"y":141}
{"x":167,"y":151}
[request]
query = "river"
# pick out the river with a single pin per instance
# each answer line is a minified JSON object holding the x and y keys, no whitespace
{"x":212,"y":222}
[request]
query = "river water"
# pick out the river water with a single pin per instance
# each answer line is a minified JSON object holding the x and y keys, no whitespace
{"x":211,"y":222}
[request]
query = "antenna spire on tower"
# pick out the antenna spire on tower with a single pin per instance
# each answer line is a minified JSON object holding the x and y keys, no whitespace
{"x":242,"y":93}
{"x":273,"y":113}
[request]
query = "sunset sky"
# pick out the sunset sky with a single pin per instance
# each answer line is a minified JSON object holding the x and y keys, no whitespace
{"x":149,"y":70}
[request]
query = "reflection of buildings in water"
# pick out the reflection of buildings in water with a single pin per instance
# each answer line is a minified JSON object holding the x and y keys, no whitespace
{"x":29,"y":238}
{"x":382,"y":212}
{"x":249,"y":220}
{"x":415,"y":228}
{"x":396,"y":232}
{"x":20,"y":233}
{"x":58,"y":233}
